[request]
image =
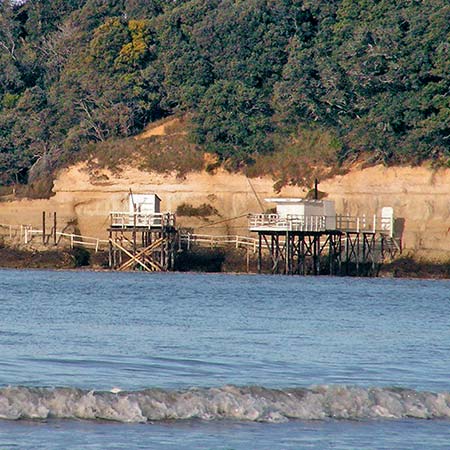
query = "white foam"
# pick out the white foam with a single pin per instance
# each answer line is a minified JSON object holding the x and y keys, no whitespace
{"x":228,"y":402}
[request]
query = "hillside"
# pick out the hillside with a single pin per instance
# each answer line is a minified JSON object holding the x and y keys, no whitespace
{"x":218,"y":203}
{"x":270,"y":87}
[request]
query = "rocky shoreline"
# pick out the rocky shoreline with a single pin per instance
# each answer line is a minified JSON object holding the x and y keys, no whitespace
{"x":204,"y":260}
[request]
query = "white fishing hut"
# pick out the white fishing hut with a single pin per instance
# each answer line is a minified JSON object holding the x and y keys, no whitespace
{"x":144,"y":210}
{"x":144,"y":203}
{"x":296,"y":214}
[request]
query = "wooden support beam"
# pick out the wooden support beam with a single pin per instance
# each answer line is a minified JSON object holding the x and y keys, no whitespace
{"x":124,"y":250}
{"x":259,"y":253}
{"x":54,"y":229}
{"x":43,"y":228}
{"x":144,"y":252}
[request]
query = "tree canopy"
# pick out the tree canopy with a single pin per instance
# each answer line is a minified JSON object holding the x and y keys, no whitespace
{"x":374,"y":74}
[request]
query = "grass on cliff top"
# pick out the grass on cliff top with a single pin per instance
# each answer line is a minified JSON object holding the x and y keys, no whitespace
{"x":169,"y":153}
{"x":301,"y":154}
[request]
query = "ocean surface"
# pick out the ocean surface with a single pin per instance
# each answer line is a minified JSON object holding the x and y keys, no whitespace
{"x":189,"y":361}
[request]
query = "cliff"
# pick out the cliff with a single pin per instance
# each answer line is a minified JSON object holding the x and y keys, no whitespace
{"x":83,"y":199}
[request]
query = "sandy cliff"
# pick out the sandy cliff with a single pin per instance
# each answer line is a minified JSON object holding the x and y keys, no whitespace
{"x":420,"y":197}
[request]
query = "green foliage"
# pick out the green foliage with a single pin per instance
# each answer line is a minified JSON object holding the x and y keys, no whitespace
{"x":256,"y":75}
{"x":81,"y":257}
{"x":10,"y":100}
{"x":234,"y":121}
{"x":380,"y":79}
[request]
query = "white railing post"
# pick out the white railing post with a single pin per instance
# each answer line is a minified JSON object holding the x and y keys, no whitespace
{"x":357,"y":224}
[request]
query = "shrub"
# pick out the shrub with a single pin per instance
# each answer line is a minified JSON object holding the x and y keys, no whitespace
{"x":81,"y":257}
{"x":204,"y":210}
{"x":301,"y":155}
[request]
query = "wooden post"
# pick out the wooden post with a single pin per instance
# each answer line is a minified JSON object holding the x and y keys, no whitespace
{"x":110,"y":248}
{"x":318,"y":253}
{"x":340,"y":254}
{"x":175,"y":238}
{"x":134,"y":231}
{"x":54,"y":229}
{"x":331,"y":252}
{"x":287,"y":253}
{"x":248,"y":259}
{"x":347,"y":236}
{"x":43,"y":227}
{"x":364,"y":249}
{"x":277,"y":253}
{"x":166,"y":264}
{"x":259,"y":252}
{"x":301,"y":255}
{"x":357,"y":253}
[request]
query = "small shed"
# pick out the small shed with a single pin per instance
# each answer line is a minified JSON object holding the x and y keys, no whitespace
{"x":300,"y":207}
{"x":144,"y":203}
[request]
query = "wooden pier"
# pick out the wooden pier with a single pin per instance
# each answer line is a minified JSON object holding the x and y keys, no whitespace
{"x":323,"y":244}
{"x":304,"y":237}
{"x":142,"y":241}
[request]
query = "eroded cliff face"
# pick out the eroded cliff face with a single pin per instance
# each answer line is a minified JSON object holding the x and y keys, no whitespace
{"x":420,"y":198}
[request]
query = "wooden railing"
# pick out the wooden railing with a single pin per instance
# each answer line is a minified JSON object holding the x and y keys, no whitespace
{"x":206,"y":240}
{"x":84,"y":241}
{"x":373,"y":224}
{"x":11,"y":231}
{"x":290,"y":222}
{"x":127,"y":219}
{"x":346,"y":223}
{"x":74,"y":240}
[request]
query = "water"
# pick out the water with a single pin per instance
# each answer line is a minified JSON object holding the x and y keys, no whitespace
{"x":222,"y":361}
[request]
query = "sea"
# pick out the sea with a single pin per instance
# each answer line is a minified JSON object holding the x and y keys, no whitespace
{"x":102,"y":360}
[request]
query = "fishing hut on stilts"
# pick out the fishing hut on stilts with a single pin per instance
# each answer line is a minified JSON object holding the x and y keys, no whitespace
{"x":307,"y":237}
{"x":142,"y":238}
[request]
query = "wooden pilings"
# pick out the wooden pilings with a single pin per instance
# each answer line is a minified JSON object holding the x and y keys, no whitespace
{"x":321,"y":252}
{"x":52,"y":234}
{"x":142,"y":248}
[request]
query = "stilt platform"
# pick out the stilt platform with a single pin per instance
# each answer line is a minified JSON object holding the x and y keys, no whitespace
{"x":303,"y":245}
{"x":140,"y":241}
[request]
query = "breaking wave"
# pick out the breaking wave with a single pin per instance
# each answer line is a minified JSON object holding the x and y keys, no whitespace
{"x":228,"y":402}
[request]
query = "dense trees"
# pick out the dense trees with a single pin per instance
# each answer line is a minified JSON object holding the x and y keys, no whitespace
{"x":375,"y":74}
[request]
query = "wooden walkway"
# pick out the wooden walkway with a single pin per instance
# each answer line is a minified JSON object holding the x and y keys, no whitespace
{"x":212,"y":241}
{"x":26,"y":234}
